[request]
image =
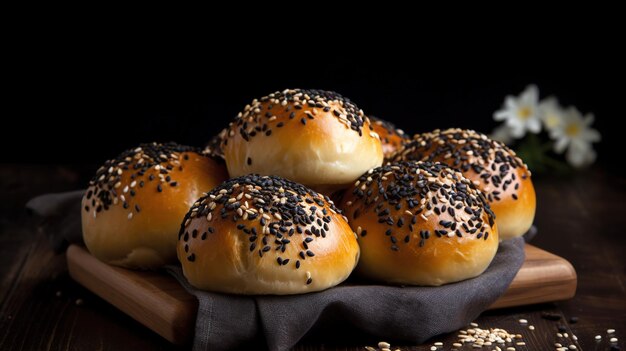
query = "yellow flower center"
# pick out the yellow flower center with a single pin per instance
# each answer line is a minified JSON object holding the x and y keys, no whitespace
{"x":553,"y":120}
{"x":524,"y":112}
{"x":572,"y":129}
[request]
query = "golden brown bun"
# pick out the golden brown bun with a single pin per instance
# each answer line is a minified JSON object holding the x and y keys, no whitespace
{"x":132,"y":211}
{"x":265,"y":235}
{"x":391,"y":137}
{"x":420,"y":224}
{"x":491,"y":165}
{"x":313,"y":137}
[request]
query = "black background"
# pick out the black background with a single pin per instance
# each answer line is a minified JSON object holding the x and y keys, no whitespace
{"x":87,"y":107}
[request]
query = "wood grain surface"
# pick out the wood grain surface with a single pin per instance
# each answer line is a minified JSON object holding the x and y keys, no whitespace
{"x":157,"y":301}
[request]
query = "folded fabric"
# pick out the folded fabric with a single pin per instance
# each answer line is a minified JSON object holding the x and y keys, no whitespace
{"x":411,"y":314}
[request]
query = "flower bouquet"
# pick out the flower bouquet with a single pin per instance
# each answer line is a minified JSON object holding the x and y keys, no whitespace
{"x":542,"y":130}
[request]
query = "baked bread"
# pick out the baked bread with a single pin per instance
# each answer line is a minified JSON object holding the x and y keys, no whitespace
{"x":265,"y":235}
{"x":133,"y":207}
{"x":391,"y":137}
{"x":313,"y":137}
{"x":491,"y":165}
{"x":420,"y":223}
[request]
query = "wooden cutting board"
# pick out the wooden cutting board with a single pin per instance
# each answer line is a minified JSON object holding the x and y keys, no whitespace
{"x":157,"y":300}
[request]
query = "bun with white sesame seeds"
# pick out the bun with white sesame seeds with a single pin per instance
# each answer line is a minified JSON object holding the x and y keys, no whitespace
{"x":265,"y":235}
{"x":420,"y":223}
{"x":314,"y":137}
{"x":132,"y":209}
{"x":491,"y":165}
{"x":391,"y":137}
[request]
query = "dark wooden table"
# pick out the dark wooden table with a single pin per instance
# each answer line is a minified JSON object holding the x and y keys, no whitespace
{"x":581,"y":218}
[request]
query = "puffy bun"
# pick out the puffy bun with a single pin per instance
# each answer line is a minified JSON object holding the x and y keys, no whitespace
{"x":132,"y":210}
{"x":265,"y":235}
{"x":314,"y":137}
{"x":420,"y":224}
{"x":391,"y":137}
{"x":491,"y":165}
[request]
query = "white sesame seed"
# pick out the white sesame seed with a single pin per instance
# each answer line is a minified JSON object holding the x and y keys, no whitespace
{"x":613,"y":340}
{"x":438,"y":344}
{"x":598,"y":337}
{"x":565,"y":335}
{"x":520,"y":343}
{"x":573,"y":347}
{"x":557,"y":345}
{"x":510,"y":349}
{"x":381,"y":344}
{"x":523,"y":321}
{"x":610,"y":331}
{"x":531,"y":327}
{"x":574,"y":337}
{"x":130,"y":215}
{"x":368,"y":348}
{"x":559,"y":335}
{"x":456,"y":344}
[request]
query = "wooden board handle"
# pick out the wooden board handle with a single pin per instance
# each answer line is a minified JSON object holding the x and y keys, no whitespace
{"x":156,"y":300}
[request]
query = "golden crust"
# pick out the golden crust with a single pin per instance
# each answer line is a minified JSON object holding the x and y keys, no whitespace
{"x":391,"y":137}
{"x":316,"y":138}
{"x":139,"y":231}
{"x":493,"y":167}
{"x":290,"y":248}
{"x":407,"y":238}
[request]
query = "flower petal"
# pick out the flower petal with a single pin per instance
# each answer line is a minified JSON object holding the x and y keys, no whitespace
{"x":501,"y":115}
{"x":530,"y":95}
{"x":534,"y":125}
{"x":560,"y":145}
{"x":591,"y":135}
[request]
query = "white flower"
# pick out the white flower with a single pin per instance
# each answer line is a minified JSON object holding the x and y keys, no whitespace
{"x":551,"y":113}
{"x":576,"y":134}
{"x":502,"y":133}
{"x":522,"y":113}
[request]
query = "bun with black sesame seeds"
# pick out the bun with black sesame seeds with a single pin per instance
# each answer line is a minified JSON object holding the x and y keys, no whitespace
{"x":391,"y":137}
{"x":132,"y":209}
{"x":420,"y":223}
{"x":492,"y":166}
{"x":314,"y":137}
{"x":265,"y":235}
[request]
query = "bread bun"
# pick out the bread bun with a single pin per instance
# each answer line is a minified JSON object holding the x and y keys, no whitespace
{"x":491,"y":165}
{"x":421,"y":224}
{"x":214,"y":148}
{"x":391,"y":137}
{"x":265,"y":235}
{"x":314,"y":137}
{"x":132,"y":209}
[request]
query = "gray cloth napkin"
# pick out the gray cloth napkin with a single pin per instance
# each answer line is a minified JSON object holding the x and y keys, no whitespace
{"x":354,"y":308}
